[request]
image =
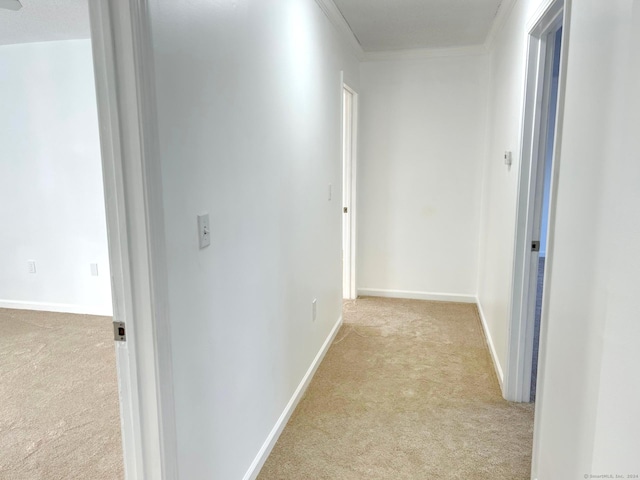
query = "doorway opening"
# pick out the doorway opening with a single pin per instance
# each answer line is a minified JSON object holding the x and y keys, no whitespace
{"x":543,"y":192}
{"x":543,"y":100}
{"x":60,"y":414}
{"x":349,"y":131}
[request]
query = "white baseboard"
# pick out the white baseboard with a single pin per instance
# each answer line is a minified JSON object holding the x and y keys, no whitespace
{"x":492,"y":348}
{"x":271,"y":440}
{"x":440,"y":297}
{"x":55,"y":307}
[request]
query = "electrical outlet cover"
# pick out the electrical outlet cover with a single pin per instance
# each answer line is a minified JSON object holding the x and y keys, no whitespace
{"x":204,"y":232}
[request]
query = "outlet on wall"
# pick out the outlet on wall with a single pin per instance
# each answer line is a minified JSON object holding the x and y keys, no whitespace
{"x":314,"y":309}
{"x":31,"y":266}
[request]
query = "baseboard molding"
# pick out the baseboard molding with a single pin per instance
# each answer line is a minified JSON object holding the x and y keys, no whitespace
{"x":271,"y":440}
{"x":492,"y":349}
{"x":440,"y":297}
{"x":54,"y":307}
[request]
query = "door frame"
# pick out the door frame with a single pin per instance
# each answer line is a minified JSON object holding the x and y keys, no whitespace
{"x":349,"y":170}
{"x":123,"y":68}
{"x":550,"y":16}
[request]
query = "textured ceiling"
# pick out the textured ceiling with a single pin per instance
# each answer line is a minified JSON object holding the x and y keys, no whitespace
{"x":384,"y":25}
{"x":45,"y":20}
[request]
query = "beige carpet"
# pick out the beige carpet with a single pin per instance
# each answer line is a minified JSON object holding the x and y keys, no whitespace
{"x":59,"y":413}
{"x":406,"y":391}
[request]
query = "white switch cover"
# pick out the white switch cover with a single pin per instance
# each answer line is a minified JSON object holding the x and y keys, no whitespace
{"x":31,"y":266}
{"x":314,"y":308}
{"x":204,"y":233}
{"x":330,"y":192}
{"x":94,"y":269}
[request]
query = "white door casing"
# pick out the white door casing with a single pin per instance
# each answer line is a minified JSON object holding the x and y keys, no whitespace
{"x":125,"y":95}
{"x":349,"y":152}
{"x":549,"y":18}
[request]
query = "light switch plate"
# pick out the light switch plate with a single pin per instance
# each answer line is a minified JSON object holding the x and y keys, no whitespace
{"x":204,"y":232}
{"x":94,"y":269}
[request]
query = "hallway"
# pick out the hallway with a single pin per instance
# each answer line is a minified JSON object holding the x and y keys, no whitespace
{"x":406,"y":391}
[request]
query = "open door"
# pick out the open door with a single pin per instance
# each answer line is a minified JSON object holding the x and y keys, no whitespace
{"x":535,"y":197}
{"x":542,"y":196}
{"x":349,"y":118}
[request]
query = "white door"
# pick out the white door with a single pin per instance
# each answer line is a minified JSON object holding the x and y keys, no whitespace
{"x":349,"y":99}
{"x":543,"y":99}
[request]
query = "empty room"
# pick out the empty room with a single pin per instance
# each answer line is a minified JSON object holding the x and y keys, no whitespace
{"x":59,"y":407}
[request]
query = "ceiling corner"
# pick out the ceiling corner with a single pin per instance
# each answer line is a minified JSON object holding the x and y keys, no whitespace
{"x":504,"y":9}
{"x":335,"y":16}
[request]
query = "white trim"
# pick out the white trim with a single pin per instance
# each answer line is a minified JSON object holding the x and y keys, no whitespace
{"x":518,"y":336}
{"x":55,"y":307}
{"x":336,"y":18}
{"x":522,"y":305}
{"x":125,"y":96}
{"x":423,"y":53}
{"x":160,"y":333}
{"x":349,"y":177}
{"x":354,"y":191}
{"x":535,"y":23}
{"x":413,"y":295}
{"x":272,"y":438}
{"x":102,"y":43}
{"x":566,"y":27}
{"x":492,"y":348}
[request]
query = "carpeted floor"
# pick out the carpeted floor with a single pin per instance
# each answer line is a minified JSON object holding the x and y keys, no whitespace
{"x":406,"y":391}
{"x":59,"y":413}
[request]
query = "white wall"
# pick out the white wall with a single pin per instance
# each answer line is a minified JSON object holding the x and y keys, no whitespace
{"x":587,"y":417}
{"x":500,"y":183}
{"x":591,"y":391}
{"x":51,"y":197}
{"x":422,"y":144}
{"x":249,"y":106}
